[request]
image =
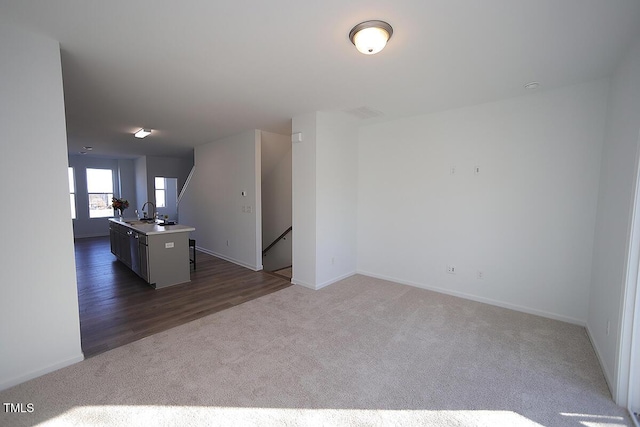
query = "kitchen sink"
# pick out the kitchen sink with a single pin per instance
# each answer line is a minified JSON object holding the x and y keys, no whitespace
{"x":140,"y":221}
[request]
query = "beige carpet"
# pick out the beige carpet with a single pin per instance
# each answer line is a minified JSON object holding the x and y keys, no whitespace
{"x":359,"y":352}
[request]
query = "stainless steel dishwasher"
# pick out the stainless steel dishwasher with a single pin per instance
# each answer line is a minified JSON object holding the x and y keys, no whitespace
{"x":143,"y":248}
{"x":134,"y":247}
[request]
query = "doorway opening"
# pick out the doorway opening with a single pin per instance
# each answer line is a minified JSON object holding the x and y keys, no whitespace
{"x":276,"y":200}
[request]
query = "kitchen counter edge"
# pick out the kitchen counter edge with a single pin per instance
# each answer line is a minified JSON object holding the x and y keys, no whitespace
{"x":153,"y":228}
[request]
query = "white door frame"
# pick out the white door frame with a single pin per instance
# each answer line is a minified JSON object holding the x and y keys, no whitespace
{"x":634,"y":366}
{"x":628,"y":372}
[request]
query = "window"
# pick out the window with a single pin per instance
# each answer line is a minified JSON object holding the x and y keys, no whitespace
{"x":72,"y":192}
{"x":161,"y":192}
{"x":100,"y":189}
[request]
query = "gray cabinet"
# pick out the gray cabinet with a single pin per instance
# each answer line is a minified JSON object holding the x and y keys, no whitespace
{"x":168,"y":257}
{"x":113,"y":238}
{"x":160,"y":257}
{"x":124,"y":245}
{"x":119,"y":239}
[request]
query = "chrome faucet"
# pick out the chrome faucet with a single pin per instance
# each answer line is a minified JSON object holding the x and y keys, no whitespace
{"x":145,"y":213}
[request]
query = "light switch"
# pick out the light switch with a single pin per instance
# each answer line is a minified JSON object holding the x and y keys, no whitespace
{"x":296,"y":137}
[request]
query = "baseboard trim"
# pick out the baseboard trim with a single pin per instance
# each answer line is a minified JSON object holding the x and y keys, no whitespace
{"x":39,"y":372}
{"x":227,"y":258}
{"x":337,"y":279}
{"x":88,"y":236}
{"x":323,"y":284}
{"x":303,"y":283}
{"x":489,"y":301}
{"x":603,"y":366}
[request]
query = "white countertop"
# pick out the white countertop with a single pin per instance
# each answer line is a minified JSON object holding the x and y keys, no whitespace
{"x":152,"y":227}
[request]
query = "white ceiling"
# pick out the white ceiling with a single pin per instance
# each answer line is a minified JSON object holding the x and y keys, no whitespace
{"x":199,"y":70}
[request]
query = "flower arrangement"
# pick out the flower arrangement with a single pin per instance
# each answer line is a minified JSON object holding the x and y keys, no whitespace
{"x":119,"y":204}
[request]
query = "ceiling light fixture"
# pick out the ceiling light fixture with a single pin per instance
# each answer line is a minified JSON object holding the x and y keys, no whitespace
{"x":532,"y":85}
{"x":370,"y":37}
{"x":142,"y":133}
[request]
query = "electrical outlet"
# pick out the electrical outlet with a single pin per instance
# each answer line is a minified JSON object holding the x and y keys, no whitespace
{"x":608,"y":326}
{"x":451,"y":269}
{"x":227,"y":243}
{"x":480,"y":275}
{"x":476,"y":170}
{"x":452,"y":170}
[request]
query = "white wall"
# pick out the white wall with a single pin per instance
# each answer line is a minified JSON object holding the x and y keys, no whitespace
{"x":213,"y":202}
{"x":336,"y":198}
{"x":325,"y":199}
{"x":39,"y":322}
{"x":276,"y":198}
{"x":304,"y":201}
{"x":615,"y":203}
{"x":525,"y":221}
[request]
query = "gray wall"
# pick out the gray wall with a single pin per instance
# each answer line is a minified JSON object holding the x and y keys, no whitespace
{"x":124,"y":187}
{"x":142,"y":186}
{"x":134,"y":181}
{"x":149,"y":167}
{"x":127,"y":182}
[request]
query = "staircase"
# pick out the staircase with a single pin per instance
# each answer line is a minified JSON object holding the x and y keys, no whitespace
{"x":281,"y":267}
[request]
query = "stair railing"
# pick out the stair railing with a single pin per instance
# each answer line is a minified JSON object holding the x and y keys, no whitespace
{"x":264,"y":252}
{"x":186,"y":184}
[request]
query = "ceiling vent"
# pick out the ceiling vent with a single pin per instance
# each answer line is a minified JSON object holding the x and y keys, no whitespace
{"x":364,"y":113}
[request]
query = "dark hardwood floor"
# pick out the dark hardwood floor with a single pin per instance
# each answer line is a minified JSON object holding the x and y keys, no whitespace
{"x":118,"y":307}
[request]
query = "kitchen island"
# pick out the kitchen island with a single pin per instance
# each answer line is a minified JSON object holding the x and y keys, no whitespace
{"x":156,"y":252}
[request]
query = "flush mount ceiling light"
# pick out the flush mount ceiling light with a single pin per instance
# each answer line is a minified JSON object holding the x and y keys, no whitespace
{"x":532,"y":85}
{"x":142,"y":133}
{"x":370,"y":37}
